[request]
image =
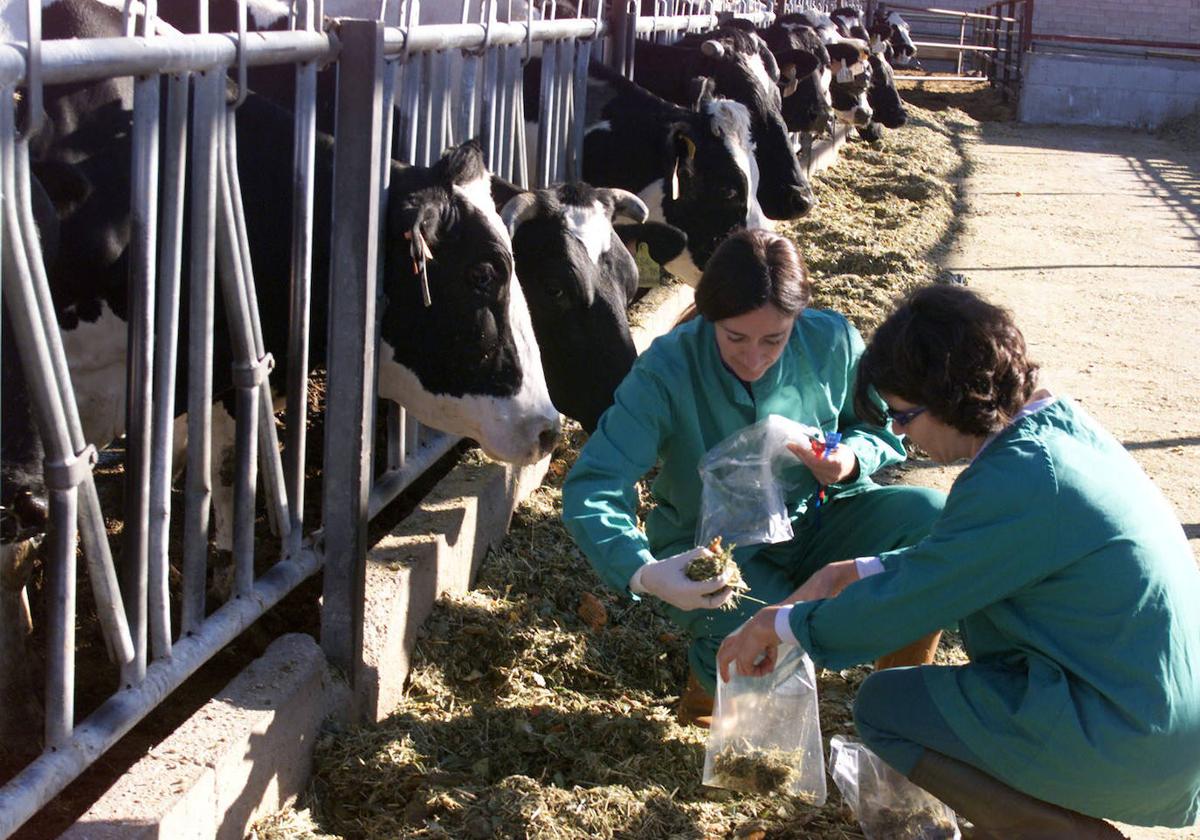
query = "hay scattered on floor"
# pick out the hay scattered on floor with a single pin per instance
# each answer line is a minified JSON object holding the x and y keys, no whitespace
{"x":527,"y":716}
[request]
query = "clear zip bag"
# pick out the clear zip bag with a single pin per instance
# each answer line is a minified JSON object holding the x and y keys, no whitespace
{"x":886,"y":804}
{"x":743,"y":497}
{"x":765,"y":736}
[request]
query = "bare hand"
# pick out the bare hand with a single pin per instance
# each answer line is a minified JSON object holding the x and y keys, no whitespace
{"x":753,"y":647}
{"x":826,"y":582}
{"x":832,"y":467}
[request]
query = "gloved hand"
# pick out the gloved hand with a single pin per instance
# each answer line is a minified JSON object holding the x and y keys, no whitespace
{"x":667,"y":580}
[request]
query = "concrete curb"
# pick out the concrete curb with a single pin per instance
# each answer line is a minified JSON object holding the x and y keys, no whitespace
{"x":239,"y":758}
{"x":242,"y":756}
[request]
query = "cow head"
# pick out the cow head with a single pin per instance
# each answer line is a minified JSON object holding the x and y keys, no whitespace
{"x":467,"y":362}
{"x":891,"y":29}
{"x":744,"y":70}
{"x":886,"y":105}
{"x":851,"y":69}
{"x":579,"y":279}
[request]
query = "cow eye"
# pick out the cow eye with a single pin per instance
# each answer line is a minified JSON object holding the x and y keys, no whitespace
{"x":482,"y":278}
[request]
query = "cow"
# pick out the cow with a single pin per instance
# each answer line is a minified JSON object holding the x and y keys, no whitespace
{"x":891,"y":29}
{"x":694,"y":169}
{"x":809,"y":106}
{"x":886,"y":106}
{"x":743,"y":70}
{"x":574,"y":263}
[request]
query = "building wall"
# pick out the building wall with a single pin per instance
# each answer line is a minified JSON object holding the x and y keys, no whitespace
{"x":1143,"y":20}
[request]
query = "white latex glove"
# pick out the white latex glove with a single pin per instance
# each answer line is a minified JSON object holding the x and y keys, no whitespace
{"x":666,"y":579}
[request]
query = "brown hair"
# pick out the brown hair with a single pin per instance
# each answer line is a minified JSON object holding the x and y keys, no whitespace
{"x":948,"y":349}
{"x":751,"y":268}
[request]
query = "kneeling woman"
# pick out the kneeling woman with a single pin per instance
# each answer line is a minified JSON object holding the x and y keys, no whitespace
{"x":1067,"y":572}
{"x":754,"y":349}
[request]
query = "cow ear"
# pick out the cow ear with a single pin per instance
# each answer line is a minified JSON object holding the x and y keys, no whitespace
{"x":798,"y":64}
{"x":663,"y":242}
{"x":503,"y":191}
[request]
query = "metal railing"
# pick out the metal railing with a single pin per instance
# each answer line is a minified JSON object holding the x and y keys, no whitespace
{"x":412,"y":66}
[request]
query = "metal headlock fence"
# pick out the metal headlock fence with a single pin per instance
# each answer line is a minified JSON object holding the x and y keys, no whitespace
{"x":412,"y":66}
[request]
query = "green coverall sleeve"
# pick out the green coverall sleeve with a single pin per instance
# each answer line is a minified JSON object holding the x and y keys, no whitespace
{"x":600,"y":494}
{"x":874,"y":447}
{"x":996,"y":536}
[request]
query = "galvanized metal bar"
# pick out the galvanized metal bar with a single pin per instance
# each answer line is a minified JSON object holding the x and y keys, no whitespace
{"x":66,"y":60}
{"x":442,"y":134}
{"x":419,"y":458}
{"x":502,"y":163}
{"x":425,"y":153}
{"x":545,"y":154}
{"x":490,"y":118}
{"x":351,"y":355}
{"x":466,"y":103}
{"x":583,"y":53}
{"x":268,"y":440}
{"x":165,"y":356}
{"x":60,"y":615}
{"x":46,"y":776}
{"x":562,"y":122}
{"x":208,"y":106}
{"x":139,"y":400}
{"x":303,"y":156}
{"x":246,"y":359}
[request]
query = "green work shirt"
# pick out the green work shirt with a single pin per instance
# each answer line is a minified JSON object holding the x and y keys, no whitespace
{"x":679,"y":401}
{"x":1078,"y":600}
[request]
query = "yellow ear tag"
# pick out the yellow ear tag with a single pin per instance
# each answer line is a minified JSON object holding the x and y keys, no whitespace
{"x":691,"y":148}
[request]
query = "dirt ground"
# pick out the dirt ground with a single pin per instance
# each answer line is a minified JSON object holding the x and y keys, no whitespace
{"x":1092,"y":238}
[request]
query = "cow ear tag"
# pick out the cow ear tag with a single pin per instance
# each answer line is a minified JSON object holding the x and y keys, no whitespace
{"x":420,"y":252}
{"x":675,"y":180}
{"x":845,"y":74}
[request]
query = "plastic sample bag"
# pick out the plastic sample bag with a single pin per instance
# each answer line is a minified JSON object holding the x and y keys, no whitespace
{"x":886,"y":805}
{"x":765,"y":736}
{"x":743,"y":497}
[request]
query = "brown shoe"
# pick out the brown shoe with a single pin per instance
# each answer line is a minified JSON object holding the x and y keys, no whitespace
{"x":695,"y":705}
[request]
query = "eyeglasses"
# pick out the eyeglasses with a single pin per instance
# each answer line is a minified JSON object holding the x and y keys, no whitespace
{"x":903,"y":416}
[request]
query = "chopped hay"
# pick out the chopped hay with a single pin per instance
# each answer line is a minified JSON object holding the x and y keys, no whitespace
{"x":527,"y":717}
{"x":742,"y":766}
{"x":714,"y":563}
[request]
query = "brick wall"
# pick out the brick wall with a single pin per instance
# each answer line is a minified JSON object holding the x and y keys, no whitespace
{"x":1144,"y":20}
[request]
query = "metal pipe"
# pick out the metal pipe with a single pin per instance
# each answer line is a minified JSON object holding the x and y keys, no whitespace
{"x":165,"y":356}
{"x":392,"y":483}
{"x":139,"y":401}
{"x":304,"y":150}
{"x":209,"y":102}
{"x":60,"y":614}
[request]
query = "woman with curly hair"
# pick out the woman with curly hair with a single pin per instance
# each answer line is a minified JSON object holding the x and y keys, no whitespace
{"x":1064,"y":568}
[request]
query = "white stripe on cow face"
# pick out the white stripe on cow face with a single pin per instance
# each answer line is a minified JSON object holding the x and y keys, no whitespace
{"x":826,"y":78}
{"x":592,"y":227}
{"x":759,"y":71}
{"x":731,"y":122}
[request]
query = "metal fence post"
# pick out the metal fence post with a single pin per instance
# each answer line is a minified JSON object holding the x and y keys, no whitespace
{"x":351,"y":354}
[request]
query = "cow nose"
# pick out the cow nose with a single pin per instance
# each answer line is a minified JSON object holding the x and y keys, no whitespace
{"x":548,"y":437}
{"x":801,"y":199}
{"x":862,"y":116}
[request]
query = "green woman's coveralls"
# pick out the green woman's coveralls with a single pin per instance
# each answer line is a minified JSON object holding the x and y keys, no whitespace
{"x":1078,"y":600}
{"x":680,"y":400}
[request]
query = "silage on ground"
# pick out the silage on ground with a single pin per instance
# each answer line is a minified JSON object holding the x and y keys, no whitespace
{"x":540,"y":704}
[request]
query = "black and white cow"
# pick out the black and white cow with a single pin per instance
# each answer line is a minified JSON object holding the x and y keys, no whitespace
{"x":891,"y":29}
{"x":468,"y":363}
{"x":886,"y":106}
{"x":809,"y":106}
{"x":694,"y":169}
{"x":743,"y":70}
{"x":574,"y":263}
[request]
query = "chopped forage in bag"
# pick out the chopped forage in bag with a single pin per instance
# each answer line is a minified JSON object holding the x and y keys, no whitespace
{"x":712,"y":564}
{"x":742,"y":766}
{"x":902,"y":824}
